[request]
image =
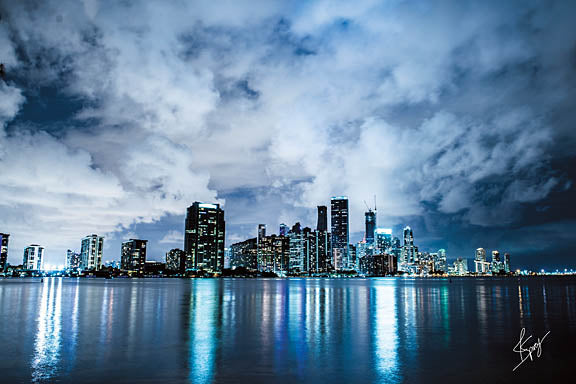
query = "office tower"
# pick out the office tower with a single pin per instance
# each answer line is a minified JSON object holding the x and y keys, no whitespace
{"x":318,"y":245}
{"x":204,"y":237}
{"x":33,"y":258}
{"x":340,"y":237}
{"x":461,"y":266}
{"x":274,"y":254}
{"x":227,"y":257}
{"x":297,"y":250}
{"x":176,"y":260}
{"x":133,"y":255}
{"x":496,"y":265}
{"x":441,"y":261}
{"x":261,"y":231}
{"x":283,"y":229}
{"x":480,"y":263}
{"x":244,"y":254}
{"x":3,"y":251}
{"x":370,"y":218}
{"x":361,"y":249}
{"x":382,"y":240}
{"x":322,"y":224}
{"x":73,"y":260}
{"x":91,"y":253}
{"x":352,"y":259}
{"x":507,"y":267}
{"x":409,"y":254}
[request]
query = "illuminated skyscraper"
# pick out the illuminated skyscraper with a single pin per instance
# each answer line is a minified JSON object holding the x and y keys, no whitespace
{"x":298,"y":262}
{"x":322,"y":224}
{"x":134,"y":255}
{"x":244,"y":254}
{"x":383,"y":240}
{"x":507,"y":267}
{"x":33,"y":258}
{"x":480,"y":264}
{"x":340,"y":236}
{"x":261,"y":231}
{"x":3,"y":251}
{"x":440,"y":261}
{"x":283,"y":230}
{"x":370,"y":219}
{"x":204,"y":237}
{"x":409,"y":253}
{"x":73,"y":260}
{"x":91,"y":253}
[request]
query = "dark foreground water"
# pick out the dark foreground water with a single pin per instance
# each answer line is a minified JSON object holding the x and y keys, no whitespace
{"x":284,"y":331}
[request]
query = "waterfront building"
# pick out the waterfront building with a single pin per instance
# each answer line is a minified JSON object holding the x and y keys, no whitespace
{"x":33,"y":259}
{"x":283,"y":229}
{"x":340,"y":233}
{"x":383,"y":240}
{"x":204,"y":237}
{"x":318,"y":252}
{"x":441,"y":265}
{"x":497,"y":266}
{"x":4,"y":251}
{"x":176,"y":260}
{"x":73,"y":260}
{"x":322,"y":223}
{"x":460,"y":267}
{"x":133,"y":255}
{"x":274,"y":254}
{"x":370,"y":221}
{"x":244,"y":254}
{"x":352,"y":258}
{"x":409,"y":254}
{"x":91,"y":253}
{"x":481,"y":266}
{"x":507,"y":267}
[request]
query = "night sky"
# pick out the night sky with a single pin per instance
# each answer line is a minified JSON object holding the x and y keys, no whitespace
{"x":458,"y":115}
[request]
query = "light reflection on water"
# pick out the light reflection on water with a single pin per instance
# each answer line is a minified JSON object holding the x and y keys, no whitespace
{"x":285,"y":331}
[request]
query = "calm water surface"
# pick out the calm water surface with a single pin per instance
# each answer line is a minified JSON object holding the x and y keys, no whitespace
{"x":284,"y":330}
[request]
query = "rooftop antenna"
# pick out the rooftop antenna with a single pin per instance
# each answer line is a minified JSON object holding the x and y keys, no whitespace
{"x":374,"y":202}
{"x":367,"y":207}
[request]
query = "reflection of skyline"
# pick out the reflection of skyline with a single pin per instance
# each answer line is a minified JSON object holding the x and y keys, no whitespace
{"x":46,"y":361}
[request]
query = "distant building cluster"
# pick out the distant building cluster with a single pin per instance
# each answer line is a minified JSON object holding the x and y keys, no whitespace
{"x":294,"y":251}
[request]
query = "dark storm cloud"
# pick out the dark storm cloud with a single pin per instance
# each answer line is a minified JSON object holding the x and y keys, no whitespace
{"x":455,"y":114}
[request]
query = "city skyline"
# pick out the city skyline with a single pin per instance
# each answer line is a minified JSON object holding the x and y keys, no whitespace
{"x":115,"y":127}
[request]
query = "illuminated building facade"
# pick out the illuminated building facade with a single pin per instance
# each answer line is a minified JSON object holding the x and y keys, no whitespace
{"x":176,"y":260}
{"x":91,"y":253}
{"x":204,"y":237}
{"x":3,"y":251}
{"x":133,"y":257}
{"x":33,"y":259}
{"x":73,"y":260}
{"x":244,"y":254}
{"x":340,"y":234}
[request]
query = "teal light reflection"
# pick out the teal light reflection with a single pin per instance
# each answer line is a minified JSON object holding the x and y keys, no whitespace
{"x":47,"y":345}
{"x":386,"y":331}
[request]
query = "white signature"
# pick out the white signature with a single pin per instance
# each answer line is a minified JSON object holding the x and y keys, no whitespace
{"x":526,"y":353}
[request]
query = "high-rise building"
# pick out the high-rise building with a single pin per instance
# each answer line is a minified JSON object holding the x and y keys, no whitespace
{"x":73,"y":260}
{"x":370,"y":219}
{"x":91,"y":253}
{"x":339,"y":222}
{"x":134,"y":255}
{"x":322,"y":224}
{"x":204,"y":237}
{"x":261,"y":231}
{"x":409,"y":254}
{"x":382,"y":240}
{"x":274,"y":254}
{"x":497,"y":266}
{"x":3,"y":251}
{"x":298,"y":250}
{"x":33,"y":258}
{"x":507,"y":267}
{"x":460,"y":267}
{"x":244,"y":254}
{"x":176,"y":260}
{"x":283,"y":229}
{"x":440,"y":261}
{"x":318,"y":243}
{"x":480,"y":264}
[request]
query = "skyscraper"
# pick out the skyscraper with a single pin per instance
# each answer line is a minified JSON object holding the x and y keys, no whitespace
{"x":507,"y":267}
{"x":383,"y":240}
{"x":409,"y":253}
{"x":340,"y":237}
{"x":298,"y":262}
{"x":204,"y":237}
{"x":322,"y":224}
{"x":3,"y":251}
{"x":244,"y":254}
{"x":33,"y":258}
{"x":441,"y":261}
{"x":91,"y":253}
{"x":370,"y":218}
{"x":134,"y":255}
{"x":480,"y":263}
{"x":283,"y":229}
{"x":261,"y":231}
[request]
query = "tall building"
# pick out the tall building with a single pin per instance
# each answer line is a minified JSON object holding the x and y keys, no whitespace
{"x":409,"y":254}
{"x":441,"y":265}
{"x":497,"y":266}
{"x":73,"y":260}
{"x":261,"y":231}
{"x":298,"y":250}
{"x":461,"y":266}
{"x":91,"y":253}
{"x":244,"y":254}
{"x":480,"y":264}
{"x":283,"y":229}
{"x":382,"y":240}
{"x":507,"y":267}
{"x":319,"y":252}
{"x":134,"y":255}
{"x":370,"y":220}
{"x":274,"y":254}
{"x":322,"y":224}
{"x":33,"y":258}
{"x":204,"y":237}
{"x":3,"y":251}
{"x":339,"y":222}
{"x":176,"y":260}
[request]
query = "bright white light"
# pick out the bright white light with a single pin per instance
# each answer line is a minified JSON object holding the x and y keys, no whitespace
{"x":386,"y":231}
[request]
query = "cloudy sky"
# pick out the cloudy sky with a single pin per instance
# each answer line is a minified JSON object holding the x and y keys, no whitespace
{"x":458,"y":115}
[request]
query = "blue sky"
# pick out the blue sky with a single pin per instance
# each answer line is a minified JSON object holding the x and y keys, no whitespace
{"x":458,"y":115}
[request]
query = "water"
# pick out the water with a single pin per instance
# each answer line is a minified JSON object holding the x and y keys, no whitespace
{"x":283,"y":331}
